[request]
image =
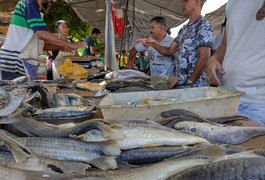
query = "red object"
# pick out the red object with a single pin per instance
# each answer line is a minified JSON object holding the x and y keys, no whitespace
{"x":118,"y":20}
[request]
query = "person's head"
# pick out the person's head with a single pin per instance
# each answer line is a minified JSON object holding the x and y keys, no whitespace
{"x":157,"y":27}
{"x":95,"y":33}
{"x":61,"y":27}
{"x":123,"y":52}
{"x":142,"y":53}
{"x":192,"y":6}
{"x":44,"y":4}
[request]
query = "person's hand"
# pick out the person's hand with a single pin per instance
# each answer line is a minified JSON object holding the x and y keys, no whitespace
{"x":146,"y":41}
{"x":76,"y":45}
{"x":214,"y":67}
{"x":261,"y":13}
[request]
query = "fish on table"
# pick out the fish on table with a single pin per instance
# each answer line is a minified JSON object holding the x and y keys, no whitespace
{"x":220,"y":134}
{"x":142,"y":133}
{"x":243,"y":168}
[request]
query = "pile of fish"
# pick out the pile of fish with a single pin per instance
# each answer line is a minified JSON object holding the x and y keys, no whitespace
{"x":182,"y":145}
{"x":136,"y":149}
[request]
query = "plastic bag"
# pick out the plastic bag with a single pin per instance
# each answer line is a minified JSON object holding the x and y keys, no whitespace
{"x":72,"y":70}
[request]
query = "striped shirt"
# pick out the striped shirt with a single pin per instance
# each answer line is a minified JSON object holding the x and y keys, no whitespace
{"x":21,"y":43}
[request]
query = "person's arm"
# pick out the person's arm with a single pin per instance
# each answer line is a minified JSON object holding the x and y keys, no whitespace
{"x":204,"y":54}
{"x":166,"y":51}
{"x":214,"y":63}
{"x":132,"y":55}
{"x":56,"y":44}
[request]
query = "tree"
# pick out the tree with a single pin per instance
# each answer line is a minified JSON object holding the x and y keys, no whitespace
{"x":60,"y":10}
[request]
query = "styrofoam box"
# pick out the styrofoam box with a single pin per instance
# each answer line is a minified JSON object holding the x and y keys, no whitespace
{"x":208,"y":102}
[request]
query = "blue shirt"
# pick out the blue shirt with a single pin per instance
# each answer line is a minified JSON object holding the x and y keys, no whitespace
{"x":160,"y":65}
{"x":192,"y":36}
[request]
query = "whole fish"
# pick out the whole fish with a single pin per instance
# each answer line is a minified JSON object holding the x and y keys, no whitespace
{"x":117,"y":85}
{"x":155,"y":171}
{"x":142,"y":133}
{"x":35,"y":128}
{"x":15,"y":99}
{"x":221,"y":134}
{"x":64,"y":112}
{"x":100,"y":155}
{"x":243,"y":168}
{"x":150,"y":155}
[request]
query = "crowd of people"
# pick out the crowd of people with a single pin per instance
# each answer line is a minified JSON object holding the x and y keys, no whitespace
{"x":234,"y":61}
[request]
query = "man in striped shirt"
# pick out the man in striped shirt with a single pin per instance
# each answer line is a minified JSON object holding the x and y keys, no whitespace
{"x":27,"y":36}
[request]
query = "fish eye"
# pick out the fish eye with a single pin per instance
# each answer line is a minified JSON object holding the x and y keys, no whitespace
{"x":193,"y":129}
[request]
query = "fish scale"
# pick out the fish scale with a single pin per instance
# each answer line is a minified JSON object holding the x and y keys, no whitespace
{"x":241,"y":169}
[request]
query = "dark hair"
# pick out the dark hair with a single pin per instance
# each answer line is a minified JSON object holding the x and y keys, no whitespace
{"x":160,"y":20}
{"x":57,"y":24}
{"x":96,"y":30}
{"x":123,"y":51}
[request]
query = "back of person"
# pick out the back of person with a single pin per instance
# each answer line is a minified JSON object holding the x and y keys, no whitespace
{"x":123,"y":60}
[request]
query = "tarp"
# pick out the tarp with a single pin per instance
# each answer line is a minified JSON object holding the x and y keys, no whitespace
{"x":139,"y":14}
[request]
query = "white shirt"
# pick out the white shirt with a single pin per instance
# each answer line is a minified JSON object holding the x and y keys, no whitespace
{"x":244,"y":61}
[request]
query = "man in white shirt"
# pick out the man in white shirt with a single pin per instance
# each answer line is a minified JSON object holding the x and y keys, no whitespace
{"x":240,"y":59}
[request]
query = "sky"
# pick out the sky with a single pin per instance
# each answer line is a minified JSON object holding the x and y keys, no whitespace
{"x":208,"y":7}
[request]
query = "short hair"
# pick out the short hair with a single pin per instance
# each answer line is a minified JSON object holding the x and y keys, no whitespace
{"x":58,"y":23}
{"x":160,"y":20}
{"x":202,"y":2}
{"x":96,"y":31}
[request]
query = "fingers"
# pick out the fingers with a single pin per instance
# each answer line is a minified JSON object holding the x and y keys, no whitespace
{"x":260,"y":14}
{"x":214,"y":72}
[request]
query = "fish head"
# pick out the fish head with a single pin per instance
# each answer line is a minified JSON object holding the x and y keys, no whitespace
{"x":191,"y":127}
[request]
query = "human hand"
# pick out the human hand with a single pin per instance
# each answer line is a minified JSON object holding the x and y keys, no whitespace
{"x":146,"y":41}
{"x":261,"y":13}
{"x":214,"y":67}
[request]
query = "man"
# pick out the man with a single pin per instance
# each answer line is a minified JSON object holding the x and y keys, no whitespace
{"x":123,"y":60}
{"x":240,"y":60}
{"x":91,"y":43}
{"x":27,"y":36}
{"x":159,"y":65}
{"x":193,"y":44}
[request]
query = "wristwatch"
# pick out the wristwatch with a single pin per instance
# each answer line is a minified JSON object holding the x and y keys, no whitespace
{"x":189,"y":82}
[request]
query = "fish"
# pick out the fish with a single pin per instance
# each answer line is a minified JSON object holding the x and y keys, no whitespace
{"x":220,"y":134}
{"x":101,"y":155}
{"x":155,"y":171}
{"x":230,"y":149}
{"x":42,"y":164}
{"x":97,"y":76}
{"x":17,"y":174}
{"x":66,"y":112}
{"x":113,"y":86}
{"x":243,"y":168}
{"x":126,"y":75}
{"x":35,"y":128}
{"x":151,"y":155}
{"x":142,"y":133}
{"x":182,"y":114}
{"x":15,"y":100}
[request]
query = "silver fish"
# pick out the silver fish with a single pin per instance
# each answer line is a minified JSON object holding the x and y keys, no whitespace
{"x":142,"y":133}
{"x":65,"y":112}
{"x":101,"y":155}
{"x":4,"y":97}
{"x":244,"y":168}
{"x":221,"y":134}
{"x":155,"y":171}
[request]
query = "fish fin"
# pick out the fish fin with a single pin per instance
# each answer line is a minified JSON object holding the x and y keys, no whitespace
{"x":105,"y":162}
{"x":110,"y":147}
{"x":20,"y":152}
{"x":74,"y":167}
{"x":110,"y":133}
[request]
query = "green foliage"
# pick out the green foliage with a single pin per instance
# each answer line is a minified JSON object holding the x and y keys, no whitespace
{"x":99,"y":44}
{"x":60,"y":10}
